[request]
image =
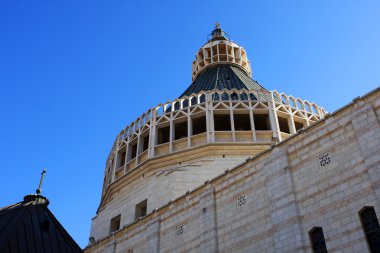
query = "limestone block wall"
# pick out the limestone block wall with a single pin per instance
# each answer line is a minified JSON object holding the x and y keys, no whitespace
{"x":165,"y":182}
{"x":321,"y":177}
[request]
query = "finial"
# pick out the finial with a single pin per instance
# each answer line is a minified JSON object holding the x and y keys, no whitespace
{"x":39,"y":190}
{"x":218,"y":33}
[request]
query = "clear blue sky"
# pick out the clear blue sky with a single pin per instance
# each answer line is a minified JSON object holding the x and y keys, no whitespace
{"x":74,"y":73}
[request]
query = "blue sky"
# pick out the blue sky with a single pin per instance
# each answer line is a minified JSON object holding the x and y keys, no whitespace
{"x":74,"y":73}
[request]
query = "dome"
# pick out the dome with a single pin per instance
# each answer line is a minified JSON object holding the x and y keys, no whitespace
{"x":222,"y":118}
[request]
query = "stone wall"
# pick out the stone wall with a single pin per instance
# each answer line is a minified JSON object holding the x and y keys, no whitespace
{"x":320,"y":177}
{"x":164,"y":180}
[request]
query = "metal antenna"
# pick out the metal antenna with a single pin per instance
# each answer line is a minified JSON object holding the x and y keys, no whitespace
{"x":39,"y":190}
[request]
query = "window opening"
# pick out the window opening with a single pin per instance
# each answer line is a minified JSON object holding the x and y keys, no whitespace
{"x":261,"y":121}
{"x":193,"y":101}
{"x":284,"y":125}
{"x":242,"y":122}
{"x":317,"y":240}
{"x":225,"y":96}
{"x":185,"y":103}
{"x":145,"y":143}
{"x":216,"y":97}
{"x":122,"y":159}
{"x":163,"y":135}
{"x":180,"y":130}
{"x":243,"y":96}
{"x":222,"y":122}
{"x":115,"y":223}
{"x":141,"y":209}
{"x":371,"y":228}
{"x":202,"y":98}
{"x":199,"y":125}
{"x":234,"y":96}
{"x":176,"y":106}
{"x":134,"y":151}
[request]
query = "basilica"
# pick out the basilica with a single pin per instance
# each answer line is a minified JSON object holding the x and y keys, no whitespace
{"x":229,"y":166}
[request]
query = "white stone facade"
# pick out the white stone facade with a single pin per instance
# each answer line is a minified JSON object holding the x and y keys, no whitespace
{"x":240,"y":170}
{"x":323,"y":176}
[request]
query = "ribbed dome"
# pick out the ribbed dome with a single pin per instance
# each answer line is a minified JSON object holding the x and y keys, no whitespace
{"x":220,"y":77}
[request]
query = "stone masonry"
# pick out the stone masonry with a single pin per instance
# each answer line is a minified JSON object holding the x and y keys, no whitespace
{"x":322,"y":176}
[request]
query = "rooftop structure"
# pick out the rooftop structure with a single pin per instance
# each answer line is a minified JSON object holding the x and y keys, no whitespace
{"x":30,"y":227}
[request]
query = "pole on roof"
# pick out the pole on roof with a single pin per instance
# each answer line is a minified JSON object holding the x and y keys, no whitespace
{"x":39,"y":190}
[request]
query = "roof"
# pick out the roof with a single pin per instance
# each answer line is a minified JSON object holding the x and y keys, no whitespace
{"x":222,"y":76}
{"x":30,"y":227}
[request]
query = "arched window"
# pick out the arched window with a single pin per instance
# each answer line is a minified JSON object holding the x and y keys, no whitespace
{"x":371,"y":228}
{"x":317,"y":240}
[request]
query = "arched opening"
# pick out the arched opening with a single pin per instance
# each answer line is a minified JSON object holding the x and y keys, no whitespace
{"x":225,"y":96}
{"x":244,"y":96}
{"x":234,"y":96}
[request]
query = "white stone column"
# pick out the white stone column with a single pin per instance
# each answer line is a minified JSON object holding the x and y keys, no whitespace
{"x":292,"y":126}
{"x":209,"y":118}
{"x":113,"y":168}
{"x":189,"y":128}
{"x":171,"y":133}
{"x":138,"y":150}
{"x":152,"y":134}
{"x":232,"y":122}
{"x":126,"y":155}
{"x":252,"y":121}
{"x":273,"y":116}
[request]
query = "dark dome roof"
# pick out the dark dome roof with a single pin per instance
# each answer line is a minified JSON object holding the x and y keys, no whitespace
{"x":220,"y":77}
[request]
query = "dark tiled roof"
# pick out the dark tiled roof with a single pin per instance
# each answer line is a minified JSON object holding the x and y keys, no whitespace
{"x":222,"y":76}
{"x":30,"y":227}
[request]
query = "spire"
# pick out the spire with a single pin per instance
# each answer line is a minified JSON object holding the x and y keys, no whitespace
{"x":218,"y":33}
